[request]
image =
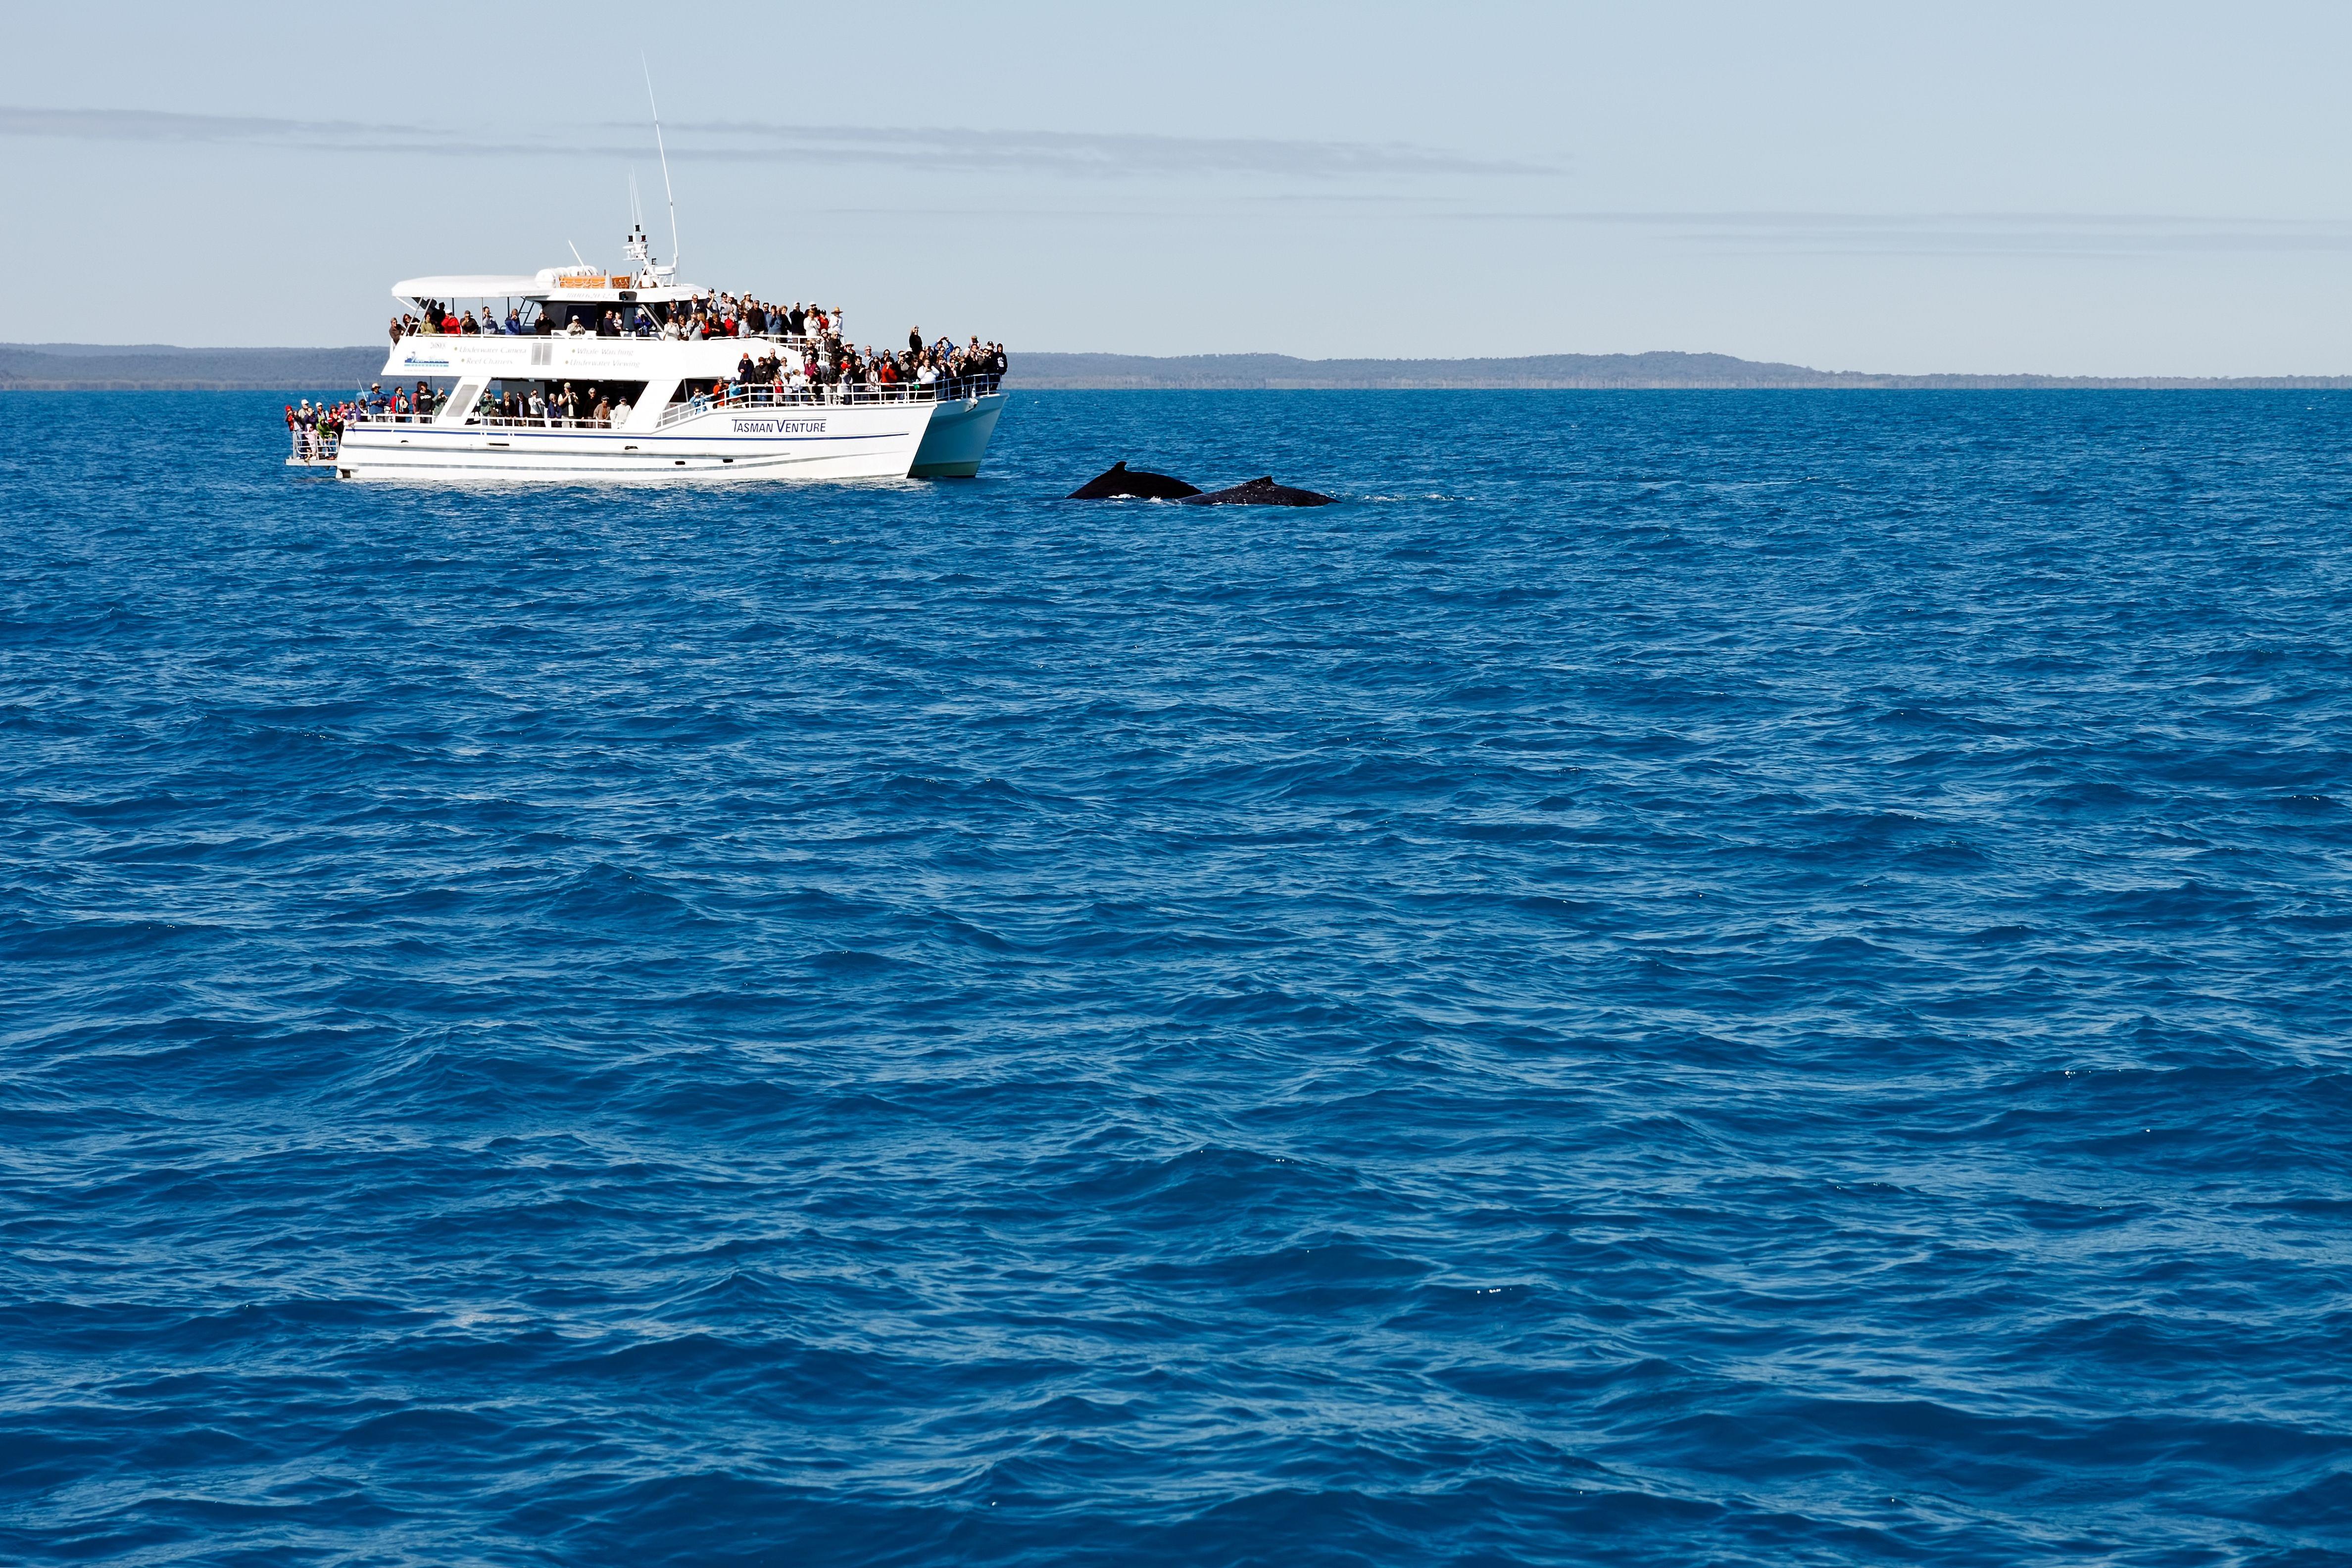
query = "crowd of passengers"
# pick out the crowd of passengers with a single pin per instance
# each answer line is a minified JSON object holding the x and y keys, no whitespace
{"x":318,"y":427}
{"x":720,"y":315}
{"x":566,"y":405}
{"x":827,"y":369}
{"x":815,"y":364}
{"x":823,"y":371}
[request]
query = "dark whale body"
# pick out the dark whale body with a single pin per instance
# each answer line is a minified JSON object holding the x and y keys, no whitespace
{"x":1259,"y":492}
{"x":1116,"y":482}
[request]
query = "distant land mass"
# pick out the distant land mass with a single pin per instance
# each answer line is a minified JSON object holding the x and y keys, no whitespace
{"x":1595,"y":372}
{"x":159,"y":367}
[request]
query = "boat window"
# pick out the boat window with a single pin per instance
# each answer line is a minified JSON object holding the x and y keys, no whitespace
{"x":567,"y":403}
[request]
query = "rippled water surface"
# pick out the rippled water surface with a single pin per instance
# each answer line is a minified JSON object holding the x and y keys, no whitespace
{"x":1684,"y":979}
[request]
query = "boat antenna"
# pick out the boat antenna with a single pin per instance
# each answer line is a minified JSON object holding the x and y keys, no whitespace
{"x":666,"y":192}
{"x":640,"y":250}
{"x":575,"y":254}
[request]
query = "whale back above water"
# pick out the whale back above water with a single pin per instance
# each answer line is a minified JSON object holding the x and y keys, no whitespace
{"x":1119,"y":481}
{"x":1259,"y":492}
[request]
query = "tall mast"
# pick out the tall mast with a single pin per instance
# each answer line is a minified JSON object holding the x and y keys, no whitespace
{"x":666,"y":192}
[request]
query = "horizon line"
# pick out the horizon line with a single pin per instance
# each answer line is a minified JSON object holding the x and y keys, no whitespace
{"x":1727,"y":361}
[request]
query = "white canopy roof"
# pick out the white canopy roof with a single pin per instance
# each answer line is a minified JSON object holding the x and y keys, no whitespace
{"x":476,"y":286}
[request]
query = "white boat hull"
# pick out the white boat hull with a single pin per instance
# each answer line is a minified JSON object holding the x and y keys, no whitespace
{"x":957,"y":438}
{"x":791,"y":441}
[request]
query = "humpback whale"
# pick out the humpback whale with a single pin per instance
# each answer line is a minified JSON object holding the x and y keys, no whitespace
{"x":1117,"y":480}
{"x":1259,"y":492}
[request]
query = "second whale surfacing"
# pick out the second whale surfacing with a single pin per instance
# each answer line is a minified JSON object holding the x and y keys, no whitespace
{"x":1259,"y":492}
{"x":1119,"y":482}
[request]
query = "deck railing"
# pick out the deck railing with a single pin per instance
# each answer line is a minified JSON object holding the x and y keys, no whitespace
{"x":363,"y":416}
{"x":790,"y":394}
{"x":799,"y":339}
{"x":314,"y":446}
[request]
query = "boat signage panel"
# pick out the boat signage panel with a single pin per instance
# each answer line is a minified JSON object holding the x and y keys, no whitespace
{"x":486,"y":353}
{"x":779,"y":426}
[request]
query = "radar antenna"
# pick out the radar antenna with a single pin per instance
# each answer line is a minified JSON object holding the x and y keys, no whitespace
{"x":666,"y":192}
{"x":638,"y":248}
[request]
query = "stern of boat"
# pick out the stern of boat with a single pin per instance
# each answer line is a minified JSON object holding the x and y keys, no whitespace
{"x":957,"y":438}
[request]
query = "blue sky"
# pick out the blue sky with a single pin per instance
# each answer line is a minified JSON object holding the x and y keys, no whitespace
{"x":2070,"y":188}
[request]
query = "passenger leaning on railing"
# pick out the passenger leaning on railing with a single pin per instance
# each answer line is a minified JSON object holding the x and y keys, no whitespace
{"x":317,"y":430}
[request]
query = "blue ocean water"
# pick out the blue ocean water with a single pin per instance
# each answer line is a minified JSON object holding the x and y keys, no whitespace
{"x":1713,"y":978}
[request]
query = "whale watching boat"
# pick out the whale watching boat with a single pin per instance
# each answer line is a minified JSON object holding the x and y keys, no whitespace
{"x":598,"y":377}
{"x":592,"y":376}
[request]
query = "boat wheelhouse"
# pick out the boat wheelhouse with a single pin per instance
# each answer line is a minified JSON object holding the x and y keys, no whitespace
{"x":679,"y":408}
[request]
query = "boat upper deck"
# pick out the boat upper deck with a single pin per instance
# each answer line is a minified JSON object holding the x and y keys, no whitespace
{"x":654,"y":337}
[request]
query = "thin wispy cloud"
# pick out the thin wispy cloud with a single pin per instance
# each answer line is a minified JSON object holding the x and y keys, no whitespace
{"x":1956,"y":234}
{"x":1077,"y":154}
{"x":149,"y":125}
{"x":947,"y":148}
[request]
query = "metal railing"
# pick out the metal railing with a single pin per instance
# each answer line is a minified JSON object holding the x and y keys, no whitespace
{"x":528,"y":422}
{"x":314,"y":445}
{"x":640,"y":334}
{"x":498,"y":421}
{"x":795,"y":394}
{"x":761,"y":395}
